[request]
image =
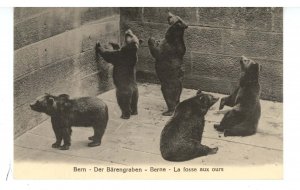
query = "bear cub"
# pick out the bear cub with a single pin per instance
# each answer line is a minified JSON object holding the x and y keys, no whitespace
{"x":124,"y":60}
{"x":181,"y":138}
{"x":66,"y":112}
{"x":243,"y":119}
{"x":168,"y":54}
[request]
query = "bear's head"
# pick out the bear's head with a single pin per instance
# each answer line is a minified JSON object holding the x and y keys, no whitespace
{"x":204,"y":101}
{"x":249,"y":70}
{"x":50,"y":104}
{"x":176,"y":21}
{"x":131,"y":39}
{"x":197,"y":105}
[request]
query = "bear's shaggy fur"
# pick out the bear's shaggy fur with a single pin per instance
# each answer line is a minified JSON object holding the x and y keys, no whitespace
{"x":243,"y":119}
{"x":168,"y":54}
{"x":66,"y":112}
{"x":124,"y":60}
{"x":181,"y":138}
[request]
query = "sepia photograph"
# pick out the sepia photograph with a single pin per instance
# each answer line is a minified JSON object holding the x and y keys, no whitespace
{"x":148,"y":93}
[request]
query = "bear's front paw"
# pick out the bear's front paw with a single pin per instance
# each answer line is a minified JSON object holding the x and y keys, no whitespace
{"x":56,"y":145}
{"x":213,"y":150}
{"x":98,"y":46}
{"x":64,"y":147}
{"x":222,"y":104}
{"x":151,"y":41}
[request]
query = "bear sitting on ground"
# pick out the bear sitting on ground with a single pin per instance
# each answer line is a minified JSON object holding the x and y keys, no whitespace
{"x":243,"y":119}
{"x":124,"y":72}
{"x":181,"y":138}
{"x":168,"y":54}
{"x":66,"y":112}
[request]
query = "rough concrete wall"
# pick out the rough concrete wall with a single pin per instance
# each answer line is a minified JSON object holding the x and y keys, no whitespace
{"x":54,"y":52}
{"x":215,"y":40}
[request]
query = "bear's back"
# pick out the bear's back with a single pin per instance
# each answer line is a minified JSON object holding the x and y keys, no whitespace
{"x":87,"y":111}
{"x":184,"y":120}
{"x":84,"y":104}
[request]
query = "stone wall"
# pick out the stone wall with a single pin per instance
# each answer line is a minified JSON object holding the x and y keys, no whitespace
{"x":54,"y":53}
{"x":215,"y":40}
{"x":54,"y":50}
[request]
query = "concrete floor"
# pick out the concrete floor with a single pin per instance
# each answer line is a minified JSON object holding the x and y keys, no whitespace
{"x":136,"y":141}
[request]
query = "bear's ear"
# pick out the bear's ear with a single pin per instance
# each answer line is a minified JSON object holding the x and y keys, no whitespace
{"x":198,"y":92}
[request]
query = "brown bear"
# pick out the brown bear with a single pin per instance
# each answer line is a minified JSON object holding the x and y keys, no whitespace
{"x":66,"y":112}
{"x":181,"y":138}
{"x":168,"y":54}
{"x":124,"y":60}
{"x":243,"y":119}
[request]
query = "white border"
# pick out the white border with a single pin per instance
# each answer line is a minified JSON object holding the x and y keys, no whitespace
{"x":291,"y":105}
{"x":6,"y":94}
{"x":149,"y":3}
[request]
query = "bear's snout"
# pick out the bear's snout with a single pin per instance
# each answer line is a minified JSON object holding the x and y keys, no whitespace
{"x":31,"y":105}
{"x":35,"y":107}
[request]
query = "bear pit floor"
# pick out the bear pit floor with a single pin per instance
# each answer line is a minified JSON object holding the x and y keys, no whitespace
{"x":136,"y":141}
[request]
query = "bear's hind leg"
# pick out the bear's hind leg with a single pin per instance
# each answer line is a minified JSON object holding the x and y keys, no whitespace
{"x":242,"y":129}
{"x":171,"y":92}
{"x":230,"y":119}
{"x":124,"y":101}
{"x":134,"y":101}
{"x":98,"y":134}
{"x":190,"y":149}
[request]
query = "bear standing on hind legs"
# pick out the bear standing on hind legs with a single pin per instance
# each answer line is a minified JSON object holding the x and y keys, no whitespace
{"x":243,"y":119}
{"x":124,"y":60}
{"x":168,"y":54}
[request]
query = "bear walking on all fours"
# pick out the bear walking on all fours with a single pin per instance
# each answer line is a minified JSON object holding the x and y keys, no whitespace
{"x":243,"y":119}
{"x":181,"y":138}
{"x":168,"y":54}
{"x":124,"y":60}
{"x":66,"y":112}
